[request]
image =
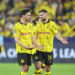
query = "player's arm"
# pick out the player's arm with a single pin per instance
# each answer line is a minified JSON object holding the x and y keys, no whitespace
{"x":34,"y":40}
{"x":19,"y":42}
{"x":16,"y":34}
{"x":33,"y":46}
{"x":63,"y":40}
{"x":57,"y":34}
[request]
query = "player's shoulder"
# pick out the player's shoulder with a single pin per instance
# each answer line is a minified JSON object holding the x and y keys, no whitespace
{"x":18,"y":24}
{"x":52,"y":23}
{"x":29,"y":24}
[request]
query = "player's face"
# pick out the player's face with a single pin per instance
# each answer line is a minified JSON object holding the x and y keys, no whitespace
{"x":28,"y":16}
{"x":43,"y":16}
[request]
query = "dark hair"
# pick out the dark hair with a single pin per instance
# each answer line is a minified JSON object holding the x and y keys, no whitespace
{"x":24,"y":12}
{"x":45,"y":11}
{"x":36,"y":19}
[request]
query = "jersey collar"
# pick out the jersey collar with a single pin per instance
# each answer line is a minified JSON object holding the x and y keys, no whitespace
{"x":22,"y":23}
{"x":47,"y":21}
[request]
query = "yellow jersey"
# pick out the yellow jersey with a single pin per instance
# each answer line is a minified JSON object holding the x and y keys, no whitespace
{"x":24,"y":33}
{"x":45,"y":35}
{"x":34,"y":29}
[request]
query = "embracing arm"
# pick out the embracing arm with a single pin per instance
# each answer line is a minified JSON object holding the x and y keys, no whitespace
{"x":34,"y":40}
{"x":19,"y":42}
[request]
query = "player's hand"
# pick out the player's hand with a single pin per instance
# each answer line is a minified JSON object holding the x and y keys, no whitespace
{"x":27,"y":47}
{"x":64,"y":41}
{"x":33,"y":46}
{"x":40,"y":47}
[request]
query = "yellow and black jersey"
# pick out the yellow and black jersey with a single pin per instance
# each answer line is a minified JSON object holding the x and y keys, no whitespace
{"x":45,"y":34}
{"x":24,"y":33}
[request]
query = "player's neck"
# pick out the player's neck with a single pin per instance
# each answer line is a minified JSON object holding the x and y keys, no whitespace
{"x":23,"y":21}
{"x":45,"y":21}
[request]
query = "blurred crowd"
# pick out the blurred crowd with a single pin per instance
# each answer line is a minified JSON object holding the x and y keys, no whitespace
{"x":60,"y":11}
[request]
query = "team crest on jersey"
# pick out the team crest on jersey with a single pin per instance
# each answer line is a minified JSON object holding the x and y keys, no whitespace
{"x":15,"y":32}
{"x":22,"y":60}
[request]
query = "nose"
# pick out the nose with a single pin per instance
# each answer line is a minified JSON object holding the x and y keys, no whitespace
{"x":40,"y":16}
{"x":30,"y":17}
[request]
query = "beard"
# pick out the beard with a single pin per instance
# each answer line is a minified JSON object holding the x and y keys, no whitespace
{"x":28,"y":20}
{"x":43,"y":19}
